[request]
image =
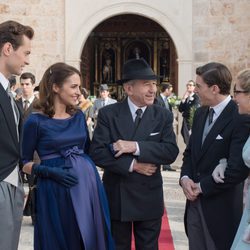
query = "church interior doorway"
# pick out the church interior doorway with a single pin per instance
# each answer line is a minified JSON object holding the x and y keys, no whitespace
{"x":123,"y":37}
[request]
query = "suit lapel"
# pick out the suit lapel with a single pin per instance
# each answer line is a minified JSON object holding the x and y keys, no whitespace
{"x":8,"y":113}
{"x":124,"y":121}
{"x":224,"y":118}
{"x":199,"y":132}
{"x":146,"y":125}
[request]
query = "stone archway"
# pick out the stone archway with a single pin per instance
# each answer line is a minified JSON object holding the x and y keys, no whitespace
{"x":78,"y":32}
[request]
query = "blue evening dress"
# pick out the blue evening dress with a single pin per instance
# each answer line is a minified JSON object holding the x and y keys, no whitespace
{"x":73,"y":218}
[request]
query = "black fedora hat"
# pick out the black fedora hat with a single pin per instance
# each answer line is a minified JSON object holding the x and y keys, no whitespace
{"x":136,"y":69}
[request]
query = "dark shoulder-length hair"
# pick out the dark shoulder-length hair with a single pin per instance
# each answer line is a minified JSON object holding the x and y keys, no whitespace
{"x":56,"y":74}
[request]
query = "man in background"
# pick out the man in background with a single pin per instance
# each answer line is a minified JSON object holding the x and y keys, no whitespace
{"x":189,"y":103}
{"x":166,"y":90}
{"x":25,"y":103}
{"x":102,"y":101}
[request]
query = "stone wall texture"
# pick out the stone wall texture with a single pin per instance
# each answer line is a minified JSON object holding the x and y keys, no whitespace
{"x":47,"y":19}
{"x":220,"y":31}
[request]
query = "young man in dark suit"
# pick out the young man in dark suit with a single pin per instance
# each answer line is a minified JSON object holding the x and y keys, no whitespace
{"x":131,"y":140}
{"x":15,"y":47}
{"x":213,"y":211}
{"x":25,"y":103}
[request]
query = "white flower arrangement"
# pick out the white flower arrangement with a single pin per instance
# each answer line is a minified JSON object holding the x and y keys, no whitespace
{"x":174,"y":101}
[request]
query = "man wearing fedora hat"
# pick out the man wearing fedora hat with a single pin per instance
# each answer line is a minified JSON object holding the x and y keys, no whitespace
{"x":131,"y":141}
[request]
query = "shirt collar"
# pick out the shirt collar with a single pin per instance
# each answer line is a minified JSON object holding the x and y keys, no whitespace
{"x":31,"y":99}
{"x":220,"y":107}
{"x":163,"y":97}
{"x":133,"y":108}
{"x":4,"y":81}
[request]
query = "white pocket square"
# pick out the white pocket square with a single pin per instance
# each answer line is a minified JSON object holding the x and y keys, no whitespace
{"x":219,"y":137}
{"x":152,"y":134}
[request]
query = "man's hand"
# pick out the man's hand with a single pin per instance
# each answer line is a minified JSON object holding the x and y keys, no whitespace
{"x":190,"y":189}
{"x":144,"y":168}
{"x":121,"y":147}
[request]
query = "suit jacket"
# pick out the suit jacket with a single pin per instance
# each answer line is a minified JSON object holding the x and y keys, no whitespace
{"x":24,"y":113}
{"x":98,"y":103}
{"x":185,"y":107}
{"x":221,"y":203}
{"x":134,"y":196}
{"x":9,"y":145}
{"x":160,"y":101}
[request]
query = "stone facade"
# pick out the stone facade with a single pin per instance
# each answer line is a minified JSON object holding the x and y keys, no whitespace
{"x":202,"y":30}
{"x":47,"y":19}
{"x":221,"y":32}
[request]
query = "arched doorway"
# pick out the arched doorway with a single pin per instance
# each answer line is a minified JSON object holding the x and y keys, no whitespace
{"x":120,"y":38}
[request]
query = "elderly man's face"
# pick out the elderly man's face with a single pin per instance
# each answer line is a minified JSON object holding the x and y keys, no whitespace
{"x":141,"y":92}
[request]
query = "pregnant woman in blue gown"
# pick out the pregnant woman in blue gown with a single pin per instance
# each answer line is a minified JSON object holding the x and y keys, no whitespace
{"x":71,"y":206}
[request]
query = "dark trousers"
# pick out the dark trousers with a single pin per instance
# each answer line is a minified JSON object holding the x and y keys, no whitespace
{"x":185,"y":131}
{"x":198,"y":234}
{"x":146,"y":234}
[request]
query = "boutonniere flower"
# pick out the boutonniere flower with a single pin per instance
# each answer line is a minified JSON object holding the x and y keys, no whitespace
{"x":191,"y":98}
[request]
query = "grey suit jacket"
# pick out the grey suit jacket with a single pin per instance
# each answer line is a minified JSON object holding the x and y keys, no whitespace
{"x":98,"y":103}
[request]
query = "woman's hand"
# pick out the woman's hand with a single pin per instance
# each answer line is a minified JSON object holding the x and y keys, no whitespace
{"x":218,"y":173}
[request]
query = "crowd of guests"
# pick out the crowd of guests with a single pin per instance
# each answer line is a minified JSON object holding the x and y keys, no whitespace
{"x":51,"y":138}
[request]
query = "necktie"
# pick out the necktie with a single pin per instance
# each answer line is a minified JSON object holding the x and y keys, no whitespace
{"x":26,"y":105}
{"x":210,"y":116}
{"x":15,"y":109}
{"x":166,"y":103}
{"x":103,"y":103}
{"x":138,"y":117}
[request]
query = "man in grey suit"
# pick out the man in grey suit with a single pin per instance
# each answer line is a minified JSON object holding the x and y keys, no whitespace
{"x":213,"y":211}
{"x":15,"y":47}
{"x":104,"y":98}
{"x":131,"y":141}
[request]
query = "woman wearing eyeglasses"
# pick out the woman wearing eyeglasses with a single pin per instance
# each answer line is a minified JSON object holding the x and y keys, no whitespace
{"x":242,"y":98}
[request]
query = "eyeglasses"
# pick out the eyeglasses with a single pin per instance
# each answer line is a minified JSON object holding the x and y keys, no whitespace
{"x":240,"y":91}
{"x":190,"y":84}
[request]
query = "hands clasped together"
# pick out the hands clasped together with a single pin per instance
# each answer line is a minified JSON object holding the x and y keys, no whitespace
{"x":60,"y":175}
{"x":129,"y":147}
{"x":190,"y":188}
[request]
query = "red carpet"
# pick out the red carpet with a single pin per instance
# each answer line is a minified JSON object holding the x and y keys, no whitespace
{"x":165,"y":240}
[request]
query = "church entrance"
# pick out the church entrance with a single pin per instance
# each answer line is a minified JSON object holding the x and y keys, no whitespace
{"x":123,"y":37}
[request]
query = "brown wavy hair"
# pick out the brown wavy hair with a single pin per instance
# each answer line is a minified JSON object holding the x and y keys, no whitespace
{"x":13,"y":32}
{"x":55,"y":74}
{"x":216,"y":74}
